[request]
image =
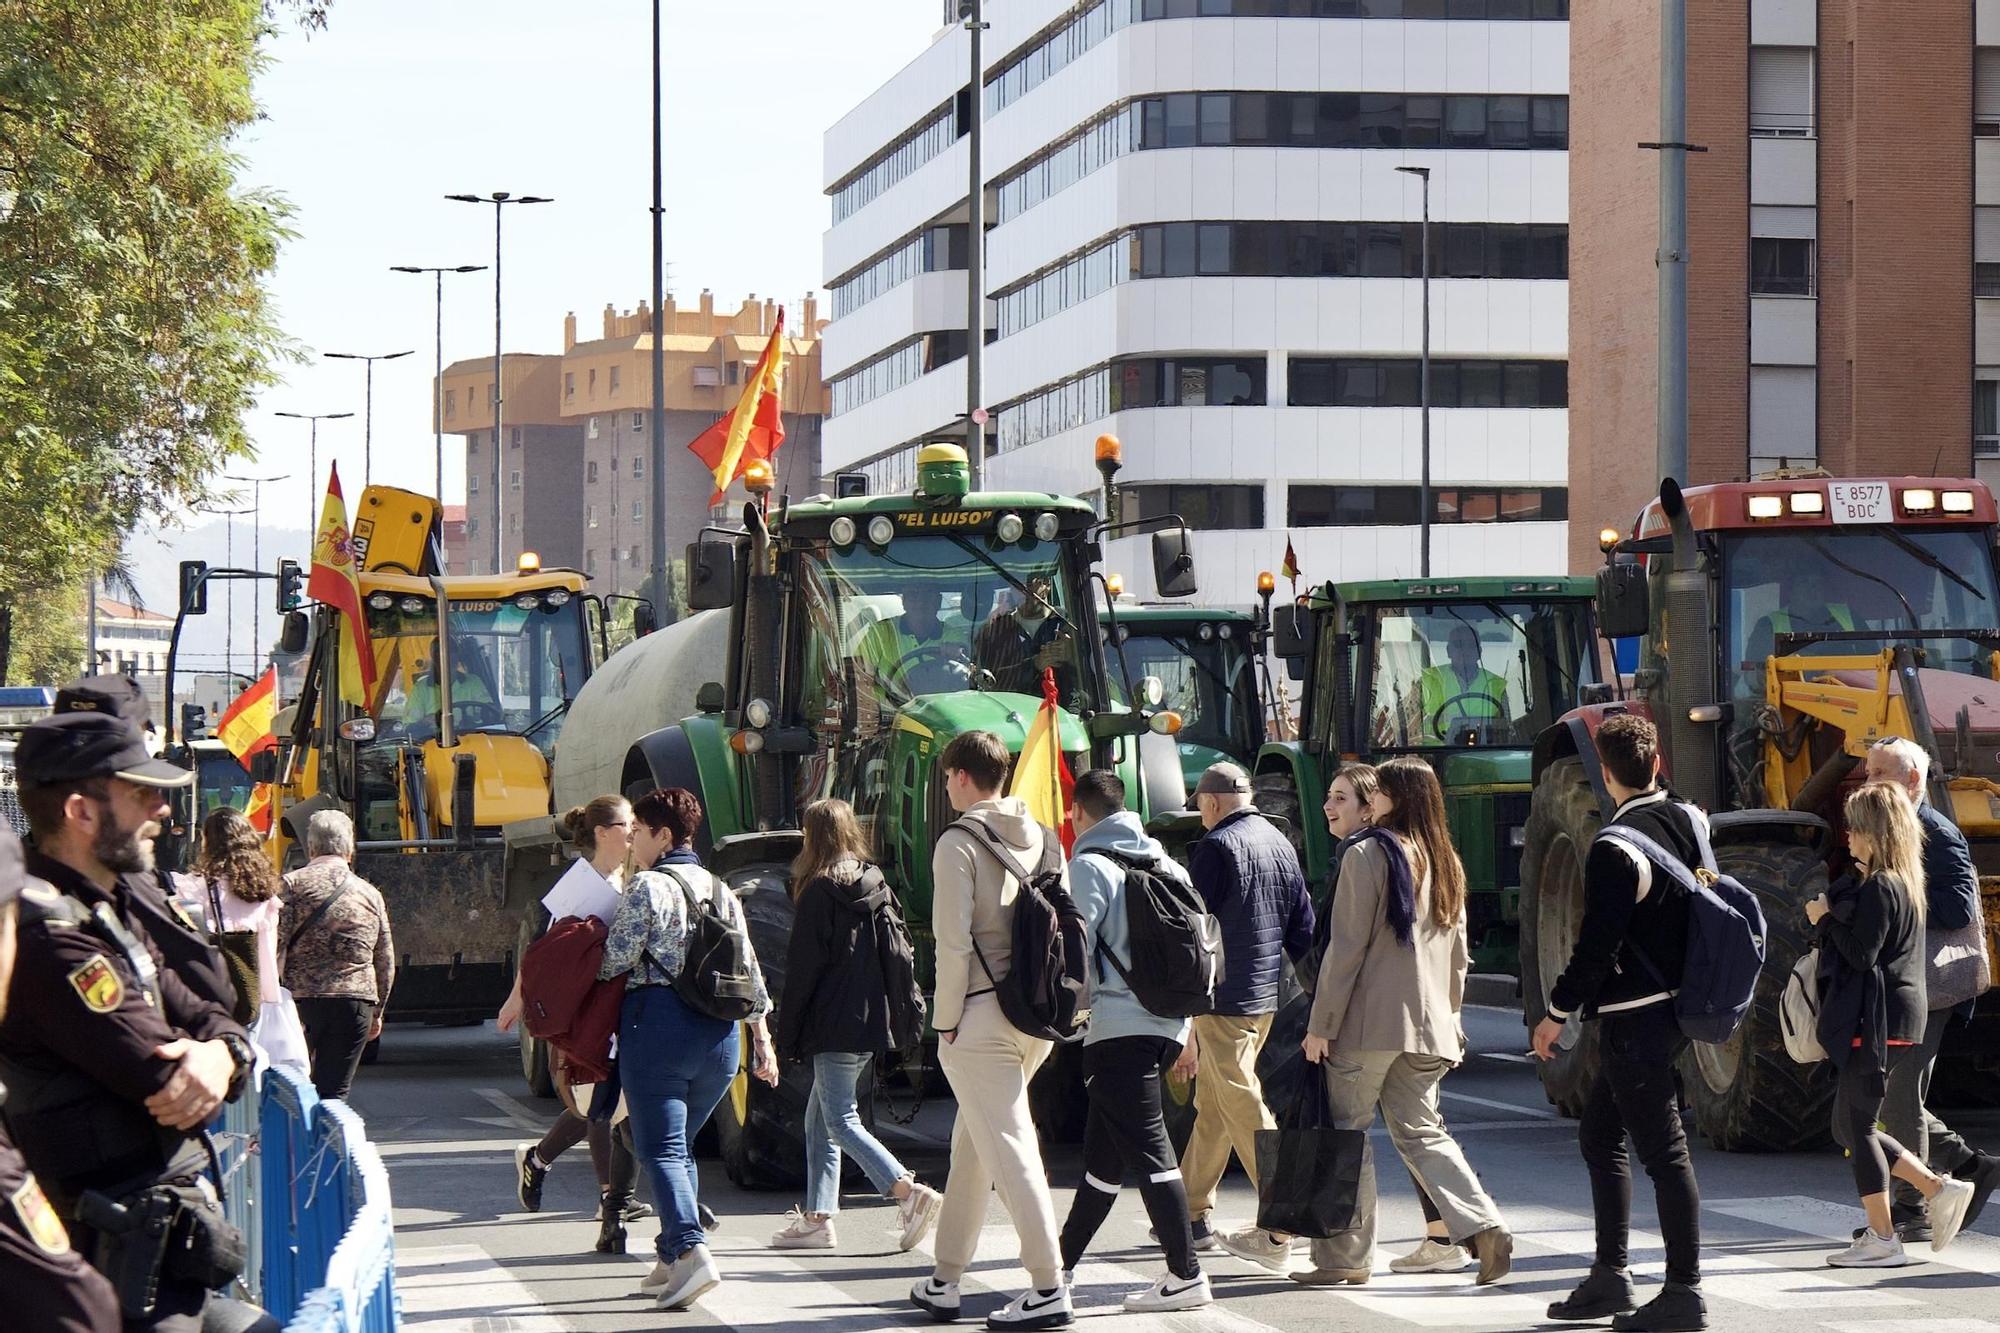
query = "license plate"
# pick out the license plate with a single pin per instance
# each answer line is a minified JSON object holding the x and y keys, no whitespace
{"x":1859,"y":502}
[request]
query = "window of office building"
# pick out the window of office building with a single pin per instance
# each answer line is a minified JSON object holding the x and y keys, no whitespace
{"x":1784,"y":409}
{"x":1781,"y":266}
{"x":590,"y":516}
{"x":932,"y":250}
{"x":638,"y":511}
{"x":514,"y":437}
{"x":1986,"y":413}
{"x":614,"y":379}
{"x":1203,"y":506}
{"x":1986,"y":92}
{"x":590,"y":472}
{"x":514,"y":479}
{"x":472,"y":483}
{"x":901,"y":365}
{"x":1398,"y":382}
{"x":638,"y":466}
{"x":1190,"y":381}
{"x":1333,"y":506}
{"x":1781,"y":91}
{"x":1351,"y":250}
{"x":451,"y":402}
{"x":1353,"y":120}
{"x":926,"y":140}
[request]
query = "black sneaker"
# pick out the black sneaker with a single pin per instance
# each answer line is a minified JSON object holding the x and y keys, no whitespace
{"x":1677,"y":1309}
{"x":1984,"y":1173}
{"x":706,"y":1216}
{"x":1205,"y":1241}
{"x":529,"y":1175}
{"x":1604,"y":1293}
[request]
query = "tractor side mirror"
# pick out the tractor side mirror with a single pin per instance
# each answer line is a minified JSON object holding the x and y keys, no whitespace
{"x":1622,"y":610}
{"x":644,"y":619}
{"x":711,"y":575}
{"x":708,"y":699}
{"x":295,"y":634}
{"x":1173,"y":564}
{"x":264,"y":765}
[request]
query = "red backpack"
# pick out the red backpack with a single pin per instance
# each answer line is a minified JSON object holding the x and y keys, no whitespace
{"x":563,"y":1002}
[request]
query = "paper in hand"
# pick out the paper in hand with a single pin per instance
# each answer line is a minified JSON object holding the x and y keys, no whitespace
{"x":582,"y":892}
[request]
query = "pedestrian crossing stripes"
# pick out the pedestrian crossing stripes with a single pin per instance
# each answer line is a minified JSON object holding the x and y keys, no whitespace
{"x":461,"y":1289}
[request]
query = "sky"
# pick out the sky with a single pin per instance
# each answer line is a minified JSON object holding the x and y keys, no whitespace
{"x":369,"y":123}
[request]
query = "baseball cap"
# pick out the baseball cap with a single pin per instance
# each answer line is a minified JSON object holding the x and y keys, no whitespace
{"x":13,"y":871}
{"x":119,"y":696}
{"x":1223,"y":780}
{"x":70,"y":747}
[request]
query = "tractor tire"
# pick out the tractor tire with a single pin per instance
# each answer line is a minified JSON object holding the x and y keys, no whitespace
{"x":1563,"y":820}
{"x":1749,"y":1095}
{"x":759,"y":1130}
{"x":1276,"y":795}
{"x":537,"y":1059}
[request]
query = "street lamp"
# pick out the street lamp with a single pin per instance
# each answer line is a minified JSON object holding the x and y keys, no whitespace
{"x":312,"y":458}
{"x":1424,"y":366}
{"x":228,"y":517}
{"x":499,"y":199}
{"x":437,"y":385}
{"x":257,"y":485}
{"x":368,"y":403}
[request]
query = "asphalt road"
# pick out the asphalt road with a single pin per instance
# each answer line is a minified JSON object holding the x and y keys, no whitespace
{"x":447,"y":1108}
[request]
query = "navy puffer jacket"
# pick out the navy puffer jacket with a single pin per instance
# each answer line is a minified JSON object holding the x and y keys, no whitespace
{"x":1248,"y":874}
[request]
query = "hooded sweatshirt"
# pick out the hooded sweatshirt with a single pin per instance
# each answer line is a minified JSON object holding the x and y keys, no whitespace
{"x":833,"y":991}
{"x":1098,"y":885}
{"x":972,"y":901}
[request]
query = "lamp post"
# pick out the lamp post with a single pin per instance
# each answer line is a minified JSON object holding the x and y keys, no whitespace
{"x":972,"y":12}
{"x":437,"y":385}
{"x":368,"y":403}
{"x":1424,"y":368}
{"x":312,"y":457}
{"x":228,"y":517}
{"x":499,"y":199}
{"x":257,"y":485}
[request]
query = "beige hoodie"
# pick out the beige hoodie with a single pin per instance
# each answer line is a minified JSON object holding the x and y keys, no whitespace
{"x":972,"y":899}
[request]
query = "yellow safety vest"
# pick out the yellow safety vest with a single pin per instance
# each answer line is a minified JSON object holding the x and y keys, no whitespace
{"x":1441,"y":684}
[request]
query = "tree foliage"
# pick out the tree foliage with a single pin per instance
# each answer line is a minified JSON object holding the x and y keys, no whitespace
{"x":135,"y":330}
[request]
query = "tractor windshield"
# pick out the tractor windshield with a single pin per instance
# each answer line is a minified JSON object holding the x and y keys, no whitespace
{"x":1471,"y":674}
{"x":1827,"y":580}
{"x":515,"y":664}
{"x":1209,"y":680}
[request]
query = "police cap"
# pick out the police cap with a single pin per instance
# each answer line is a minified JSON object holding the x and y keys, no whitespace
{"x":72,"y":747}
{"x":120,"y":696}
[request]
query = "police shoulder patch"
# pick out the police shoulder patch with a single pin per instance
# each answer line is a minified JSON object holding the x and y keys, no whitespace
{"x":96,"y":983}
{"x":38,"y":1219}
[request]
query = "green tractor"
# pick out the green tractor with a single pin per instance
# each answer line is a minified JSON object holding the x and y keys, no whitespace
{"x":837,"y":646}
{"x":1207,"y":660}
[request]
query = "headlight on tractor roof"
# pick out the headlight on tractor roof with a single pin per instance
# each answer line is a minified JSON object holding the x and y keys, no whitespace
{"x":1958,"y":502}
{"x":841,"y":530}
{"x":757,"y":713}
{"x":1808,"y":502}
{"x":527,"y":601}
{"x":415,"y":606}
{"x":1920,"y":500}
{"x":380,"y":601}
{"x":556,"y":597}
{"x":1046,"y":527}
{"x":1767,"y":506}
{"x":1009,"y":528}
{"x":880,"y":529}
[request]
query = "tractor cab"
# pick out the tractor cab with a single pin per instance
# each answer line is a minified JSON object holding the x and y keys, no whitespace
{"x":1206,"y":662}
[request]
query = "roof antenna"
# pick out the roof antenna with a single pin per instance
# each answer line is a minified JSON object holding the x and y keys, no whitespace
{"x":1938,"y":460}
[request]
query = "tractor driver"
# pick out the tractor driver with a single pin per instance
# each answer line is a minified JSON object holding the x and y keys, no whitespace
{"x":1017,"y":644}
{"x":1460,"y":690}
{"x":472,"y":701}
{"x":930,"y":654}
{"x":1810,"y":605}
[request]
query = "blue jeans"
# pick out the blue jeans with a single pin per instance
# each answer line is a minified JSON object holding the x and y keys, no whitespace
{"x":675,"y":1065}
{"x":833,"y":1126}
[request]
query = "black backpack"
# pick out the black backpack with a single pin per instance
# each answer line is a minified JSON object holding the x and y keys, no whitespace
{"x":1176,"y":944}
{"x":1046,"y":992}
{"x":903,"y":998}
{"x":716,"y":977}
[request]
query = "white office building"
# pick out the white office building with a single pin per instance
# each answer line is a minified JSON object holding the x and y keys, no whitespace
{"x":1198,"y":241}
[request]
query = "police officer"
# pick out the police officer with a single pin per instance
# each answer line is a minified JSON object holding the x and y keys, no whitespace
{"x":47,"y":1283}
{"x":150,"y":900}
{"x":114,"y":1066}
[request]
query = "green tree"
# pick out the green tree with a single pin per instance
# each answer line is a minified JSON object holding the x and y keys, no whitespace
{"x":135,"y":330}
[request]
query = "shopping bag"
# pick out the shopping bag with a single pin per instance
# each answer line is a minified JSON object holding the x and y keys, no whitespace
{"x":280,"y":1035}
{"x":1309,"y":1172}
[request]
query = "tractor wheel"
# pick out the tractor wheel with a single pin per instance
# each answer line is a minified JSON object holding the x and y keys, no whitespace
{"x":536,"y":1057}
{"x":1277,"y":796}
{"x":760,"y":1130}
{"x":1749,"y":1095}
{"x":1563,"y":820}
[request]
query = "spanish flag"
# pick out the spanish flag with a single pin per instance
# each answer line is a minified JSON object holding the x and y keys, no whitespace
{"x":335,"y":583}
{"x":1290,"y":569}
{"x":755,"y":427}
{"x":246,"y":725}
{"x":1041,"y":776}
{"x":258,"y":812}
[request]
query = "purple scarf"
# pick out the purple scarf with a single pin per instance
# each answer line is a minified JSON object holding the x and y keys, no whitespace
{"x":1401,"y":907}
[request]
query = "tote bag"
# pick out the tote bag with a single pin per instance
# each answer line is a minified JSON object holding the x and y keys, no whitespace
{"x":1956,"y":965}
{"x":1308,"y":1172}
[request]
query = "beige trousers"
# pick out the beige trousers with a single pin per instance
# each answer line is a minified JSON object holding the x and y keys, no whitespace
{"x":1228,"y":1103}
{"x":993,"y":1145}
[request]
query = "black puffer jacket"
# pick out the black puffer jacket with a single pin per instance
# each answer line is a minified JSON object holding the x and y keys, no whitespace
{"x":1872,"y":956}
{"x":833,"y":999}
{"x":1248,"y":874}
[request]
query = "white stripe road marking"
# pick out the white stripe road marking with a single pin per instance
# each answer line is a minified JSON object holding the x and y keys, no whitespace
{"x":1533,"y":1112}
{"x":440,"y":1147}
{"x":1972,"y":1252}
{"x":460,"y":1289}
{"x":1914,"y":1326}
{"x":520,"y":1113}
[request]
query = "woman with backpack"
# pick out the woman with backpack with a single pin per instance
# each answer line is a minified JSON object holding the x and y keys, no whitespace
{"x":1385,"y":1018}
{"x":1871,"y":940}
{"x":837,"y":1014}
{"x":677,"y":1031}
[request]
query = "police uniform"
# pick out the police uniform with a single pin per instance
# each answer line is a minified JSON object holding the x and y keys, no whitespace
{"x":44,"y":1282}
{"x":90,"y":1005}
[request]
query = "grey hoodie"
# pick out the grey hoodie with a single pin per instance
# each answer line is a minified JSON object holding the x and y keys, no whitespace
{"x":1098,"y":884}
{"x":972,"y":900}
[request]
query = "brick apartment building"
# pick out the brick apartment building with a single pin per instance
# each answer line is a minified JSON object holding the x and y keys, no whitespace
{"x":1844,"y":243}
{"x":574,"y":475}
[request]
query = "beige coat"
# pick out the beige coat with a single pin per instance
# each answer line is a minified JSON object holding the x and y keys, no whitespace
{"x":1376,"y":994}
{"x":972,"y":899}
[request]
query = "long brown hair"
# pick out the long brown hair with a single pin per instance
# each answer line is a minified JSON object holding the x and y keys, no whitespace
{"x":1882,"y":813}
{"x":232,"y":849}
{"x":1417,"y":815}
{"x":832,"y":835}
{"x":582,"y":822}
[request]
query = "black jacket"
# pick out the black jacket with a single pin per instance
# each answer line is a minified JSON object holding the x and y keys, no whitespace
{"x":1626,"y":900}
{"x":1248,"y":874}
{"x":1951,"y":886}
{"x":1872,"y":959}
{"x":833,"y":998}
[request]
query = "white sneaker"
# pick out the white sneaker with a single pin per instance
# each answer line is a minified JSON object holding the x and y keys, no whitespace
{"x":1257,"y":1246}
{"x":694,"y":1276}
{"x":1433,"y":1256}
{"x":937,"y":1299}
{"x":1034,"y":1309}
{"x":1946,"y":1210}
{"x":1871,"y":1251}
{"x":1171,"y":1293}
{"x":917,"y":1214}
{"x":805,"y":1233}
{"x":656,"y":1281}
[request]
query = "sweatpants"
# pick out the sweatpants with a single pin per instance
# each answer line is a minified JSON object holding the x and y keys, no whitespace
{"x":993,"y":1145}
{"x":1228,"y":1103}
{"x":1911,"y":1123}
{"x":1635,"y":1094}
{"x":1125,"y":1138}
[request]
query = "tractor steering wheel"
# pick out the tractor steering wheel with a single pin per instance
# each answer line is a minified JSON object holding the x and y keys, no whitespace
{"x":477,"y":713}
{"x":1437,"y":717}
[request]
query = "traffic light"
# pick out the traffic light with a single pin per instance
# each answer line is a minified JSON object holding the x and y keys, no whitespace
{"x":290,"y":585}
{"x":194,"y":721}
{"x":194,"y":587}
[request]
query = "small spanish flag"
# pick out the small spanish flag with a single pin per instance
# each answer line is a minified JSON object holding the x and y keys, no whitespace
{"x":1290,"y":569}
{"x":755,"y":427}
{"x":335,"y":582}
{"x":258,"y":811}
{"x":245,"y":726}
{"x":1041,"y":776}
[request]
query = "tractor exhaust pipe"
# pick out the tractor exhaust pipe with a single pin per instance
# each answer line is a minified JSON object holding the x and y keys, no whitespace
{"x":1690,"y":619}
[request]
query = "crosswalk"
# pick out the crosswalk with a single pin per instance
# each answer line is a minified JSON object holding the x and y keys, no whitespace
{"x":1763,"y":1261}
